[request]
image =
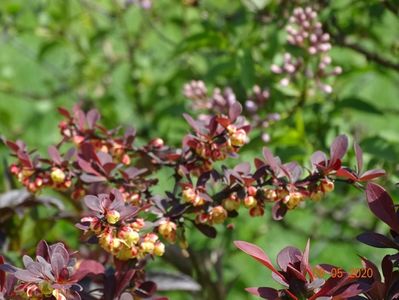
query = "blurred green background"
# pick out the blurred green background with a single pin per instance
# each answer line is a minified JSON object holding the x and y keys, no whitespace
{"x":132,"y":63}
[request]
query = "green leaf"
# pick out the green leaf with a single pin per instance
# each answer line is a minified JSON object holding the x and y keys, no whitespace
{"x":359,"y":105}
{"x":247,"y":68}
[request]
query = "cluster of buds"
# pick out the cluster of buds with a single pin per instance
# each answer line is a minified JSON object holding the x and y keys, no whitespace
{"x":219,"y":102}
{"x":197,"y":91}
{"x":37,"y":178}
{"x":222,"y":100}
{"x":118,"y":229}
{"x":257,"y":99}
{"x":193,"y":196}
{"x":306,"y":32}
{"x":212,"y":216}
{"x":325,"y":186}
{"x":167,"y":229}
{"x":251,"y":202}
{"x":215,"y":138}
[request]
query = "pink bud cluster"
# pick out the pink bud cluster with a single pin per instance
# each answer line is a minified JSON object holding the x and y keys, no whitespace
{"x":219,"y":102}
{"x":306,"y":32}
{"x":222,"y":99}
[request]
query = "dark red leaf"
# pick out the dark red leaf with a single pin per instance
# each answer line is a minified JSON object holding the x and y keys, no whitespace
{"x":305,"y":257}
{"x":270,"y":160}
{"x":223,"y":121}
{"x":42,"y":249}
{"x":191,"y":121}
{"x":92,"y":178}
{"x":64,"y":112}
{"x":338,"y":148}
{"x":381,"y":205}
{"x":368,"y":264}
{"x":55,"y":155}
{"x":318,"y":158}
{"x":13,"y":146}
{"x":146,"y":289}
{"x":377,"y":240}
{"x":2,"y":275}
{"x":342,"y":172}
{"x":124,"y":281}
{"x":264,"y":292}
{"x":258,"y":254}
{"x":287,"y":256}
{"x":207,"y":230}
{"x":387,"y":269}
{"x":278,"y":211}
{"x":359,"y":157}
{"x":80,"y":118}
{"x":92,"y":117}
{"x":234,"y":111}
{"x":371,"y":174}
{"x":87,"y":267}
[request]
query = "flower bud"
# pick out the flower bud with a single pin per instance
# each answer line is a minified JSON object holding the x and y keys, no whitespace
{"x":256,"y":211}
{"x":166,"y":228}
{"x":189,"y":194}
{"x":57,"y":175}
{"x":129,"y":235}
{"x":198,"y":200}
{"x":250,"y":202}
{"x":147,"y":247}
{"x":231,"y":203}
{"x":137,"y":224}
{"x":159,"y":249}
{"x":327,"y":185}
{"x":238,"y":138}
{"x":113,"y":216}
{"x":316,"y":196}
{"x":218,"y":214}
{"x":251,"y":191}
{"x":293,"y":199}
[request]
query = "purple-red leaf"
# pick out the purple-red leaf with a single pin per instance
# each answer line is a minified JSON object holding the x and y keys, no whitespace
{"x":55,"y":155}
{"x":371,"y":174}
{"x":2,"y":275}
{"x":207,"y":230}
{"x":191,"y":121}
{"x":381,"y":205}
{"x":234,"y":111}
{"x":338,"y":148}
{"x":278,"y":211}
{"x":264,"y":292}
{"x":377,"y":240}
{"x":92,"y":178}
{"x":92,"y":117}
{"x":287,"y":256}
{"x":87,"y":267}
{"x":359,"y":157}
{"x":271,"y":160}
{"x":42,"y":249}
{"x":258,"y":254}
{"x":146,"y":289}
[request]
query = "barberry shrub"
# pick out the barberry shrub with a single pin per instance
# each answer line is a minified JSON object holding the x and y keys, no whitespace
{"x":111,"y":178}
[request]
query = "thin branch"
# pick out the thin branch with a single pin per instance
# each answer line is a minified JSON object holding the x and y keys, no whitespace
{"x":340,"y":39}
